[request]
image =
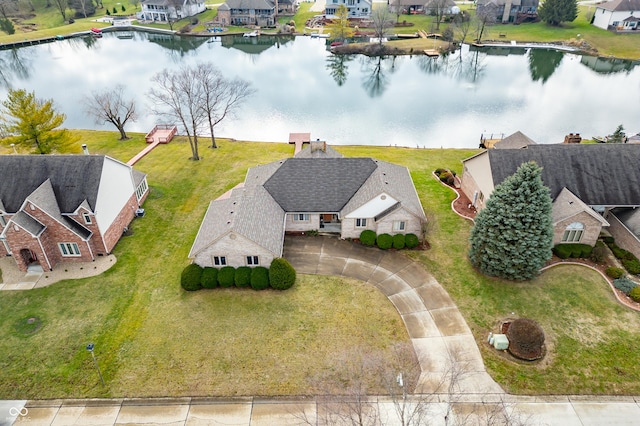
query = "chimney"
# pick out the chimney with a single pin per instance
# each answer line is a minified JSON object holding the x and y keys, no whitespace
{"x":85,"y":150}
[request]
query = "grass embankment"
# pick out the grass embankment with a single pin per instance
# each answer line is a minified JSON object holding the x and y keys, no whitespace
{"x":154,"y":339}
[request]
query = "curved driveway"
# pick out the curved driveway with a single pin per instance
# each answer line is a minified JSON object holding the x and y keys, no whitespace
{"x":441,"y":338}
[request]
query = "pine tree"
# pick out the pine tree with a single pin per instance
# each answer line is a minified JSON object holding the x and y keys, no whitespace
{"x":556,"y":11}
{"x":33,"y":123}
{"x":512,"y":236}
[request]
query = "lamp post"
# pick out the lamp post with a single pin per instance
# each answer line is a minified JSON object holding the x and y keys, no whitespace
{"x":90,"y":347}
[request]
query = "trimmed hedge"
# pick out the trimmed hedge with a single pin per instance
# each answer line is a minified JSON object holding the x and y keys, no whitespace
{"x":399,"y":241}
{"x":411,"y":240}
{"x":614,"y":272}
{"x":209,"y":277}
{"x":384,"y":241}
{"x":259,"y":278}
{"x":634,"y":294}
{"x":281,"y":274}
{"x":368,"y":238}
{"x":624,"y":284}
{"x":190,"y":277}
{"x":564,"y":251}
{"x":242,"y":277}
{"x":631,"y":265}
{"x":226,"y":276}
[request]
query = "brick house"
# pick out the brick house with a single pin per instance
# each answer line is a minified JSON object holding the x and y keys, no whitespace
{"x":317,"y":190}
{"x":591,"y":185}
{"x":65,"y":208}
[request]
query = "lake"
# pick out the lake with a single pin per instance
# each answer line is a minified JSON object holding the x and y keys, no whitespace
{"x":406,"y":101}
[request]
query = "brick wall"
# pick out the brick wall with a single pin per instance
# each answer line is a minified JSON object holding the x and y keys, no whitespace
{"x":301,"y":226}
{"x":235,"y":248}
{"x":349,"y":229}
{"x":470,"y":187}
{"x":592,"y":228}
{"x":623,"y":236}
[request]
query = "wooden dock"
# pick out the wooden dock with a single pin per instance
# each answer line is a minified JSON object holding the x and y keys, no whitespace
{"x":162,"y":133}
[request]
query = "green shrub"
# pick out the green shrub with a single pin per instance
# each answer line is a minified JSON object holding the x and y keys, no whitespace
{"x":399,"y":241}
{"x":384,"y":241}
{"x":411,"y":240}
{"x":242,"y":277}
{"x":634,"y":294}
{"x":614,"y":272}
{"x":608,"y":239}
{"x":440,"y":171}
{"x":621,"y":253}
{"x":259,"y":278}
{"x":226,"y":276}
{"x":368,"y":237}
{"x":564,"y":251}
{"x":624,"y":284}
{"x":190,"y":277}
{"x":281,"y":274}
{"x":599,"y":253}
{"x":209,"y":278}
{"x":631,"y":265}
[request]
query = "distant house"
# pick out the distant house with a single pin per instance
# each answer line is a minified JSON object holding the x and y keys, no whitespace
{"x":70,"y":208}
{"x":165,"y":10}
{"x":586,"y":190}
{"x":618,"y":15}
{"x":262,"y":13}
{"x":317,"y":190}
{"x":358,"y":9}
{"x":509,"y":11}
{"x":448,"y":7}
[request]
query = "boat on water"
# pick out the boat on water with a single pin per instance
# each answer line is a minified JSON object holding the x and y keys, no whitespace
{"x":320,"y":35}
{"x":251,"y":34}
{"x":125,"y":35}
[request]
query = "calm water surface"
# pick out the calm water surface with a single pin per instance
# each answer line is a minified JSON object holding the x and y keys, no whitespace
{"x":405,"y":101}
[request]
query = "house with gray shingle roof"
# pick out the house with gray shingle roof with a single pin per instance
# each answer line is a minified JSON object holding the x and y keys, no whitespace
{"x":317,"y":190}
{"x":617,"y":15}
{"x":262,"y":13}
{"x":587,"y":183}
{"x":165,"y":10}
{"x":65,"y":208}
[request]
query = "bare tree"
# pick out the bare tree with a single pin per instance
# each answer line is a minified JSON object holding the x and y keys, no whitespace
{"x":382,"y":21}
{"x":110,"y":106}
{"x":198,"y":98}
{"x":462,"y":25}
{"x":437,"y":8}
{"x":396,"y":7}
{"x":484,"y":16}
{"x":220,"y":96}
{"x":62,"y":6}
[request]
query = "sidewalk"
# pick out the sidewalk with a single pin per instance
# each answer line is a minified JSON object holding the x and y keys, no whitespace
{"x":560,"y":411}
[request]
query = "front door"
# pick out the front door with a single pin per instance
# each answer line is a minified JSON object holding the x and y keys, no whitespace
{"x":28,"y":256}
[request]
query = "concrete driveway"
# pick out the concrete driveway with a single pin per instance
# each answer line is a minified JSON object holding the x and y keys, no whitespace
{"x":441,"y":338}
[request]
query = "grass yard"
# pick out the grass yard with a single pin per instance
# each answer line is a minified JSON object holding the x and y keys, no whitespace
{"x":153,"y":339}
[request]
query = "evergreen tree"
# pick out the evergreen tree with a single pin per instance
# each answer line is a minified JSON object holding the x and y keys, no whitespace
{"x":556,"y":11}
{"x":33,"y":123}
{"x":618,"y":136}
{"x":512,"y":236}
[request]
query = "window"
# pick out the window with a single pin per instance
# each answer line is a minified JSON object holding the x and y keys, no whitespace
{"x":573,"y":233}
{"x":253,"y":261}
{"x":87,"y":218}
{"x":398,"y":225}
{"x":69,"y":249}
{"x":361,"y":223}
{"x":300,"y":217}
{"x":220,"y":260}
{"x":142,"y":188}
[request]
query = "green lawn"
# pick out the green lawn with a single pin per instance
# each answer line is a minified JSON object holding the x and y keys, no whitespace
{"x":153,"y":339}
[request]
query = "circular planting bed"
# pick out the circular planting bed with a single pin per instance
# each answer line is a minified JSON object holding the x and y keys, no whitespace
{"x":526,"y":339}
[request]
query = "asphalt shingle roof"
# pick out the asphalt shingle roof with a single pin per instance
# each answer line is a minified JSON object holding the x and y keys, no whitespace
{"x":318,"y":184}
{"x":598,"y":174}
{"x":620,"y":5}
{"x":514,"y":141}
{"x":74,"y":179}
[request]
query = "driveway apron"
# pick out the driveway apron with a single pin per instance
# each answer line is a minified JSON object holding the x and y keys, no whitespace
{"x":440,"y":336}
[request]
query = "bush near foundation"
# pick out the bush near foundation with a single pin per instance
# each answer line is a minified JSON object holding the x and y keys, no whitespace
{"x":564,"y":251}
{"x":242,"y":277}
{"x":190,"y":277}
{"x":209,"y":278}
{"x":226,"y":276}
{"x":399,"y":241}
{"x":259,"y":278}
{"x":411,"y":240}
{"x":624,"y":284}
{"x":281,"y":274}
{"x":613,"y":272}
{"x":368,"y":238}
{"x":634,"y":294}
{"x":384,"y":241}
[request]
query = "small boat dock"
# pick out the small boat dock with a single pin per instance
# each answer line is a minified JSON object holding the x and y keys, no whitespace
{"x":161,"y":133}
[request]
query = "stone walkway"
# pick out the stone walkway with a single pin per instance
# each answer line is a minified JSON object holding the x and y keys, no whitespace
{"x":440,"y":336}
